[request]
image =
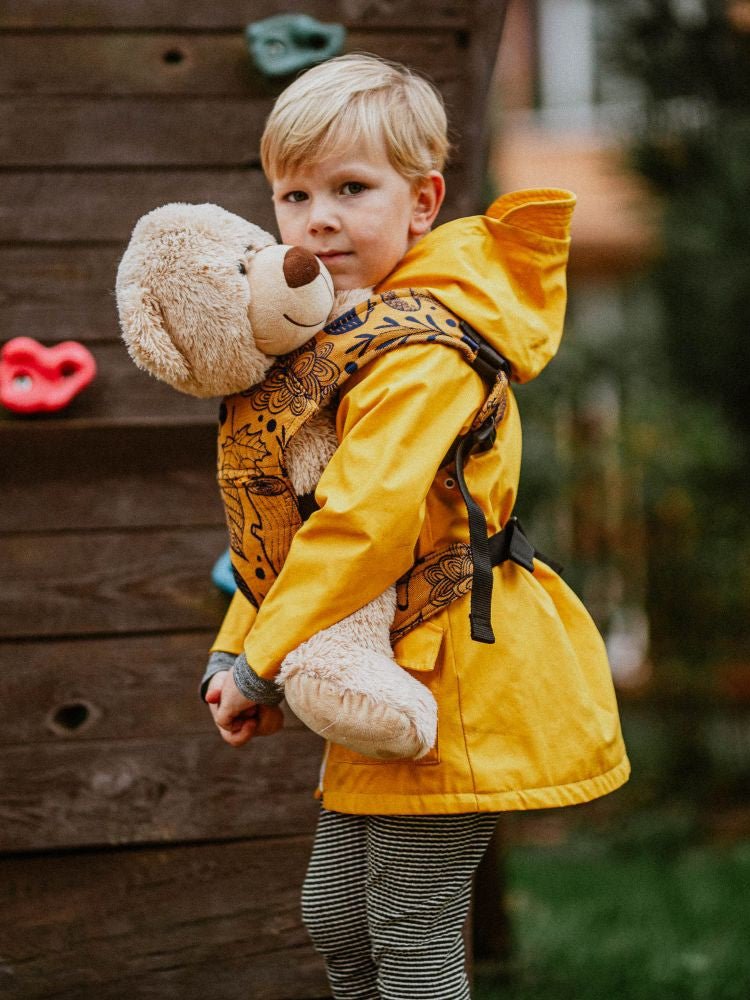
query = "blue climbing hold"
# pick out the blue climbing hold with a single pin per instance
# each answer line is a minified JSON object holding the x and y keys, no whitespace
{"x":222,"y":575}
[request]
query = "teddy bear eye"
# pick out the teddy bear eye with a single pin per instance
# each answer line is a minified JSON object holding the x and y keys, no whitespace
{"x":243,"y":269}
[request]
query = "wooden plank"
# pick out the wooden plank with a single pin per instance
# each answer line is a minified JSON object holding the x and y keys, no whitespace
{"x":55,"y":293}
{"x":183,"y":923}
{"x":88,"y":583}
{"x":103,"y":206}
{"x":75,"y":793}
{"x":107,"y":476}
{"x":481,"y":53}
{"x":138,"y":132}
{"x":229,"y":14}
{"x":122,"y":391}
{"x":91,"y":206}
{"x":106,"y":689}
{"x":103,"y":689}
{"x":189,"y":132}
{"x":200,"y":65}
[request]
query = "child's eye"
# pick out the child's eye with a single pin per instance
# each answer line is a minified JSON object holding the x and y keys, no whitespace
{"x":295,"y":196}
{"x":353,"y":187}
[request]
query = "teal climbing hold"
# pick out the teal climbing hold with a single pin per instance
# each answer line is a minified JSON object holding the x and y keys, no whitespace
{"x":289,"y":43}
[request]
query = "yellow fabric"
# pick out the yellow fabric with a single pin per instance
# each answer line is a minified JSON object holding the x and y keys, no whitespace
{"x":237,"y":623}
{"x":528,"y":722}
{"x":510,"y":282}
{"x":259,"y":497}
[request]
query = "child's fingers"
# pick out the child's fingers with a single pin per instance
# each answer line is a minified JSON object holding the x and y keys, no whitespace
{"x":240,"y":727}
{"x":227,"y":717}
{"x":215,"y":684}
{"x":242,"y":735}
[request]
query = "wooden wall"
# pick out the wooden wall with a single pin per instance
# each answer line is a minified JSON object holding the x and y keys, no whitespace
{"x":139,"y":856}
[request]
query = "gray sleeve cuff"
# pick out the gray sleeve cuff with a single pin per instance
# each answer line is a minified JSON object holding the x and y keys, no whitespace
{"x":257,"y":689}
{"x":216,"y":662}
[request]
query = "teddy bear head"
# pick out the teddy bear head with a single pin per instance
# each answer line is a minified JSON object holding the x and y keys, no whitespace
{"x":207,"y":300}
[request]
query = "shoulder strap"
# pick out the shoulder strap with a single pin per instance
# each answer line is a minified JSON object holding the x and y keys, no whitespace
{"x":495,"y":370}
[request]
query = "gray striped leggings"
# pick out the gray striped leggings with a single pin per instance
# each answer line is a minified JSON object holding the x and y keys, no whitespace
{"x":385,"y":899}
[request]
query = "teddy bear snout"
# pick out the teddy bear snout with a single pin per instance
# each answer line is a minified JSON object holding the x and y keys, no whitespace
{"x":300,"y":267}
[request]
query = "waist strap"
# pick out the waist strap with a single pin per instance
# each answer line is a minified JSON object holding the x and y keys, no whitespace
{"x":438,"y":579}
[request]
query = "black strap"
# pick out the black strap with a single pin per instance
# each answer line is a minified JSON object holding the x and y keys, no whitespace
{"x":512,"y":543}
{"x":486,"y":552}
{"x":481,"y":579}
{"x":488,"y":362}
{"x":509,"y":544}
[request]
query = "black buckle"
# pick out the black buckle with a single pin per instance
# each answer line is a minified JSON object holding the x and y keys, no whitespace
{"x":520,"y":549}
{"x":484,"y":436}
{"x":488,"y":362}
{"x":512,"y":543}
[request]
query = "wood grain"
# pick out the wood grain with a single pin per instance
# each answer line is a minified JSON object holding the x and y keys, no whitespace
{"x":116,"y":684}
{"x":116,"y":681}
{"x":184,"y":64}
{"x":55,"y":293}
{"x":107,"y":476}
{"x":178,"y":923}
{"x":72,"y":793}
{"x":131,"y":132}
{"x":90,"y":206}
{"x":229,"y":14}
{"x":160,"y":132}
{"x":86,"y":583}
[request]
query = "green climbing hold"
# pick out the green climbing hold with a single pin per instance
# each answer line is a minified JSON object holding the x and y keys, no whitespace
{"x":288,"y":43}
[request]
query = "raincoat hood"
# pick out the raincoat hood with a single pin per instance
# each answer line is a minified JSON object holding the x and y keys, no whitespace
{"x":503,"y":272}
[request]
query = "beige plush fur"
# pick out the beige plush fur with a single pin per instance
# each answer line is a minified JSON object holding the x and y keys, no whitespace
{"x":194,"y":288}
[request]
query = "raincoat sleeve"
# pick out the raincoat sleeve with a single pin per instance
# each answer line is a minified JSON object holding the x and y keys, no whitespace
{"x":395,"y":425}
{"x":237,"y":623}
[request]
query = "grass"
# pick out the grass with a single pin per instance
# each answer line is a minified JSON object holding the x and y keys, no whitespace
{"x":594,"y":923}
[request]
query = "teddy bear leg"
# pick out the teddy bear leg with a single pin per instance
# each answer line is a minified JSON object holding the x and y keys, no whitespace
{"x":344,"y":685}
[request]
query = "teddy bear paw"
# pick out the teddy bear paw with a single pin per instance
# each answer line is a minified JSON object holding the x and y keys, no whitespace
{"x":367,"y":703}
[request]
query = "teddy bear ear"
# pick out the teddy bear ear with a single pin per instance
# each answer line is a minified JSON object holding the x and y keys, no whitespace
{"x":147,"y":338}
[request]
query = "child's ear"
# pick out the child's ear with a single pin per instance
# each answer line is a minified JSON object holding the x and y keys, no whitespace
{"x":429,"y":192}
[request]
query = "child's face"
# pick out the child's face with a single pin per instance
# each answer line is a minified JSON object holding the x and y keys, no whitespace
{"x":356,"y":212}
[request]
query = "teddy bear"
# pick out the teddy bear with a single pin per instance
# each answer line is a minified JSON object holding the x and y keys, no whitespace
{"x":207,"y":301}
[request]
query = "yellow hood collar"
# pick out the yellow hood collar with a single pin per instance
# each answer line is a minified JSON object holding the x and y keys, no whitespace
{"x":503,"y":272}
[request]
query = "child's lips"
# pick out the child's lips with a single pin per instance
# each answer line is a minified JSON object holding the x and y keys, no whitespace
{"x":333,"y":256}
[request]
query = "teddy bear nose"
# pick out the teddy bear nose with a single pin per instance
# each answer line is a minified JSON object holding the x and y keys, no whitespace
{"x":300,"y":267}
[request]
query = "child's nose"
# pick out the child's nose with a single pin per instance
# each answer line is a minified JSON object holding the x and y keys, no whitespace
{"x":322,"y":218}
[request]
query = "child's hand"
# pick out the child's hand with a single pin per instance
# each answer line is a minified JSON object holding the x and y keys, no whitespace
{"x":237,"y":718}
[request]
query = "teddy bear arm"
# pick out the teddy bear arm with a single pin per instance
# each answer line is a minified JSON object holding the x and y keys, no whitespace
{"x":310,"y":450}
{"x":344,"y":684}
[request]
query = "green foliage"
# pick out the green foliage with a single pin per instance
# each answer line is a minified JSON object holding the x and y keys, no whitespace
{"x":694,"y":147}
{"x":681,"y":48}
{"x":674,"y":352}
{"x":594,"y":924}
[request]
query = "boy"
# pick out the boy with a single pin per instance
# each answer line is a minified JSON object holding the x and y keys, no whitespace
{"x":354,"y":150}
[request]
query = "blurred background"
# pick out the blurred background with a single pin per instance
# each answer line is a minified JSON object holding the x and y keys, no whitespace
{"x":636,"y":476}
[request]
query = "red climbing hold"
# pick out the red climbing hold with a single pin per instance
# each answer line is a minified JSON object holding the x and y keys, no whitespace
{"x":36,"y":379}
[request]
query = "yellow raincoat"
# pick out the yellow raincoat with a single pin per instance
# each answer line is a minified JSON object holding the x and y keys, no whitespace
{"x":532,"y":720}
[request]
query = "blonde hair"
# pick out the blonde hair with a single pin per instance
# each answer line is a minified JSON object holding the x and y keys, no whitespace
{"x":356,"y":99}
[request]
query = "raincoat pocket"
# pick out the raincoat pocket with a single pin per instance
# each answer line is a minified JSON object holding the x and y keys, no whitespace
{"x":418,"y":650}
